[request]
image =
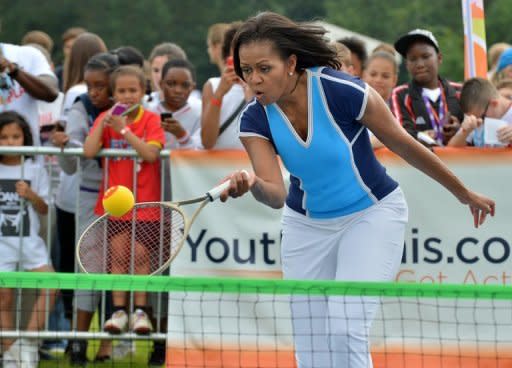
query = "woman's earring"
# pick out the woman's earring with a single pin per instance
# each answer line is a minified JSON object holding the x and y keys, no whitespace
{"x":290,"y":74}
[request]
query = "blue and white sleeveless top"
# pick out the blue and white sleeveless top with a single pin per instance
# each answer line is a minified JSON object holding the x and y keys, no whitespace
{"x":334,"y":172}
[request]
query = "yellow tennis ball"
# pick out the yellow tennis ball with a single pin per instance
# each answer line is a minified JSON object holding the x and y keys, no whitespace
{"x":118,"y":200}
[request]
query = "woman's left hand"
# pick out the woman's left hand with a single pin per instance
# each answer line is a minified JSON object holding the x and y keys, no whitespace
{"x":480,"y":206}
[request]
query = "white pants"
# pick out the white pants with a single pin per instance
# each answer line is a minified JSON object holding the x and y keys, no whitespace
{"x":364,"y":246}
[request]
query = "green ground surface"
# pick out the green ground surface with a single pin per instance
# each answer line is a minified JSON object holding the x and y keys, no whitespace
{"x":138,"y":359}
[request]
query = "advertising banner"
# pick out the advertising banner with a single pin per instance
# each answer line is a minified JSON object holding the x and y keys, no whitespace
{"x":241,"y":238}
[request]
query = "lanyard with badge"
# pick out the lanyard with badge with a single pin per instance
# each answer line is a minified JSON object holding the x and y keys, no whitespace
{"x":437,"y":119}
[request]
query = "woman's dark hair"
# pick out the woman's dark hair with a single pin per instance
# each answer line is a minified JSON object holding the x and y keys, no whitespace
{"x":10,"y":117}
{"x":179,"y":63}
{"x":128,"y":55}
{"x":105,"y":62}
{"x":306,"y":41}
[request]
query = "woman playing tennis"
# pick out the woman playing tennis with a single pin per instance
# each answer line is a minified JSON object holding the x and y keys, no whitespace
{"x":344,"y":217}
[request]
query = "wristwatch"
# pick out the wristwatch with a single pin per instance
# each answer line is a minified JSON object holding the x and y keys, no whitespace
{"x":13,"y":73}
{"x":124,"y":130}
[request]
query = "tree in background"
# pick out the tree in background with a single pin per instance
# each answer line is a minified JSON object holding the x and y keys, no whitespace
{"x":144,"y":24}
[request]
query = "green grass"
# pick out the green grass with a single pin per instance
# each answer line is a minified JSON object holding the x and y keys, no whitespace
{"x":139,"y":359}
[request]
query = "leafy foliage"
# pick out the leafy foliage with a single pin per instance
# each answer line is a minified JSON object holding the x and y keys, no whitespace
{"x":144,"y":24}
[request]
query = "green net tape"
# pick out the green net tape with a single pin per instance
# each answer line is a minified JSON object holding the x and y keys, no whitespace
{"x":42,"y":280}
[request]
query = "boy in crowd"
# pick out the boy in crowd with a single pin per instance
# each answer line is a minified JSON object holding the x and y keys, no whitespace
{"x":479,"y":99}
{"x":428,"y":106}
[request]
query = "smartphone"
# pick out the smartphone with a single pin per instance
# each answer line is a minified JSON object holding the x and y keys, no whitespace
{"x":119,"y":109}
{"x":165,"y":115}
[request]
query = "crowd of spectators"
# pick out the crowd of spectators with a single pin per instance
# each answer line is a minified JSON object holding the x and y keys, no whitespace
{"x":69,"y":106}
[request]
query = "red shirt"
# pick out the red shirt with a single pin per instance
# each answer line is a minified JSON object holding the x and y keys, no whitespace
{"x":146,"y":126}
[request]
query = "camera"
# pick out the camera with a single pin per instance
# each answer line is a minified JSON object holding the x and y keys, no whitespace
{"x":5,"y":82}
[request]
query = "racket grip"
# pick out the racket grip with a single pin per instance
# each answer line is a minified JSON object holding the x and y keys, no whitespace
{"x":215,"y":193}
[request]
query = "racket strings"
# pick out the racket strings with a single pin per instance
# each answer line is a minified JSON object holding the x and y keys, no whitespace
{"x":143,"y":244}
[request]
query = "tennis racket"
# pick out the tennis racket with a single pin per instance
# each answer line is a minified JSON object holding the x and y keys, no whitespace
{"x":144,"y":241}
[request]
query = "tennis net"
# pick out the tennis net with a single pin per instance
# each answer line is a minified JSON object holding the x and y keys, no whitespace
{"x":220,"y":322}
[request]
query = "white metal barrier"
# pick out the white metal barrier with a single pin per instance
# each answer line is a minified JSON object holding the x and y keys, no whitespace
{"x":22,"y":301}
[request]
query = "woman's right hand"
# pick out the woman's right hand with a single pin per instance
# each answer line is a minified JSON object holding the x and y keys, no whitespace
{"x":241,"y":182}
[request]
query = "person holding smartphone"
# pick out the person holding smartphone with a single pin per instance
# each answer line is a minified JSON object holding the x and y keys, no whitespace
{"x":126,"y":127}
{"x":180,"y":120}
{"x":224,"y":98}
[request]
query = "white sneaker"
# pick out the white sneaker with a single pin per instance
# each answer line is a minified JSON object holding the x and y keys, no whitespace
{"x":29,"y":353}
{"x":123,"y":349}
{"x":11,"y":357}
{"x":117,"y":324}
{"x":140,"y":323}
{"x":23,"y":353}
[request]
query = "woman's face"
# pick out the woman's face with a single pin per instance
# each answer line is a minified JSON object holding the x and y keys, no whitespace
{"x":98,"y":88}
{"x":422,"y":62}
{"x":265,"y":72}
{"x":380,"y":74}
{"x":156,"y":70}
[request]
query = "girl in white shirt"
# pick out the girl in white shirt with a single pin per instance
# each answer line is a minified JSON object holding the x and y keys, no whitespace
{"x":23,"y":196}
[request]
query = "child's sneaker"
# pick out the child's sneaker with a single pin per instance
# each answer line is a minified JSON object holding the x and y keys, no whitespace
{"x":117,"y":324}
{"x":140,"y":323}
{"x":11,"y":357}
{"x":29,"y":353}
{"x":23,"y":353}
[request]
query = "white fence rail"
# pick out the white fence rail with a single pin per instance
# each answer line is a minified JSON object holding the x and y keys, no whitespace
{"x":24,"y":301}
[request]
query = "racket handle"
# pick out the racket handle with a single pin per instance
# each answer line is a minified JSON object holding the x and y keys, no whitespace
{"x":215,"y":193}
